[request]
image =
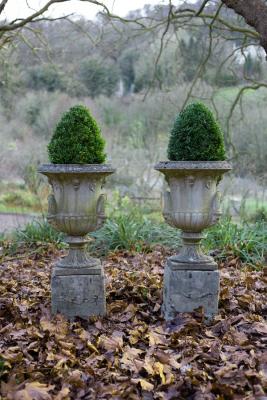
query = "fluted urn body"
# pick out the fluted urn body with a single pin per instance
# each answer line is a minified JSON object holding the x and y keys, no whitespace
{"x":191,"y":278}
{"x":76,"y":207}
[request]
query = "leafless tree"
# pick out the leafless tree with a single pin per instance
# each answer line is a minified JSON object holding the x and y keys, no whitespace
{"x":251,"y":28}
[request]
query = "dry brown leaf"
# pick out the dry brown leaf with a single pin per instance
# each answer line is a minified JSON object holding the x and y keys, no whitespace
{"x":145,"y":385}
{"x":33,"y":391}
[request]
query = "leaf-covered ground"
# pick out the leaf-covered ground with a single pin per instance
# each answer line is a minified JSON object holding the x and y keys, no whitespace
{"x":132,"y":354}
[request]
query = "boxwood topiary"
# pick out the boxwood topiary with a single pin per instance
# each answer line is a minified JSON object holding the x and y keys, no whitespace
{"x":196,"y":136}
{"x":77,"y":139}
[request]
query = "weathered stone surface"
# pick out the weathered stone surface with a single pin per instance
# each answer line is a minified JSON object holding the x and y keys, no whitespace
{"x":175,"y":166}
{"x":192,"y":204}
{"x":78,"y":295}
{"x":76,"y":207}
{"x":185,"y":290}
{"x":175,"y":263}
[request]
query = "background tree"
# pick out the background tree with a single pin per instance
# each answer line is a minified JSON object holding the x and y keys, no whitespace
{"x":99,"y":77}
{"x":165,"y":56}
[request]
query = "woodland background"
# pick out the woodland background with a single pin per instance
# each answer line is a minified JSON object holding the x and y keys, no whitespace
{"x":135,"y":80}
{"x":135,"y":74}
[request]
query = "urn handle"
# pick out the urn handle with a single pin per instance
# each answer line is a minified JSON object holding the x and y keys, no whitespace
{"x":167,"y":207}
{"x":52,"y":206}
{"x":52,"y":211}
{"x":100,"y":210}
{"x":216,"y":212}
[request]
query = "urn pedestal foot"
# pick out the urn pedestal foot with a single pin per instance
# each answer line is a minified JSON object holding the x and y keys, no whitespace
{"x":187,"y":289}
{"x":78,"y":292}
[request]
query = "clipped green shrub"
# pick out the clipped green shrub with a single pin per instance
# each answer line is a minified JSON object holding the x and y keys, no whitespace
{"x":196,"y":136}
{"x":77,"y":139}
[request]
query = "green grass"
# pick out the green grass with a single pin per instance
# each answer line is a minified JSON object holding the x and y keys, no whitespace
{"x":246,"y":241}
{"x":127,"y":228}
{"x":4,"y":208}
{"x":252,"y":205}
{"x":228,"y":94}
{"x":37,"y":232}
{"x":133,"y":232}
{"x":249,"y":209}
{"x":17,"y":200}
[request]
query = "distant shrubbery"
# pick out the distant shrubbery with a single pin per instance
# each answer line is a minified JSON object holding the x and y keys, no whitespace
{"x":45,"y":76}
{"x":18,"y":198}
{"x":99,"y":77}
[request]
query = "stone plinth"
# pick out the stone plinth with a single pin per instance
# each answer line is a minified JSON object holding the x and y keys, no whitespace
{"x":78,"y":292}
{"x":187,"y":289}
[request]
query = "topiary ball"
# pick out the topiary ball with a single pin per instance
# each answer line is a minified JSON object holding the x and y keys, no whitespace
{"x":77,"y":139}
{"x":196,"y":136}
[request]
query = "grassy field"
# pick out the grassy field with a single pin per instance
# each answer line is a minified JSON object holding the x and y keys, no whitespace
{"x":228,"y":94}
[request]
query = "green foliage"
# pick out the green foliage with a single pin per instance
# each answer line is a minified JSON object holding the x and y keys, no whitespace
{"x":163,"y":75}
{"x":196,"y":136}
{"x":46,"y":76}
{"x":127,"y":232}
{"x":246,"y":241}
{"x":18,"y":198}
{"x":77,"y":139}
{"x":99,"y":77}
{"x":259,"y":215}
{"x":37,"y":232}
{"x":130,"y":229}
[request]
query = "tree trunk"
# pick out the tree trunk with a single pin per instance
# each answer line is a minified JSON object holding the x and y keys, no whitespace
{"x":255,"y":15}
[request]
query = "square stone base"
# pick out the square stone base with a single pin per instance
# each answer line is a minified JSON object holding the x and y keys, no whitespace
{"x":78,"y":292}
{"x":185,"y":290}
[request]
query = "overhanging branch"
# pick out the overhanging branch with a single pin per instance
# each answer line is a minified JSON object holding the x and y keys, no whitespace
{"x":255,"y":14}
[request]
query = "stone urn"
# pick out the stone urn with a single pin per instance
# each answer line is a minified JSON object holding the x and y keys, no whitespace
{"x":192,"y":204}
{"x":76,"y":207}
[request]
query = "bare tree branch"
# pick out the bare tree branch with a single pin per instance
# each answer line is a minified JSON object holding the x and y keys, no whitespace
{"x":2,"y":5}
{"x":204,"y":61}
{"x":162,"y":44}
{"x":13,"y":25}
{"x":201,"y":8}
{"x":235,"y":28}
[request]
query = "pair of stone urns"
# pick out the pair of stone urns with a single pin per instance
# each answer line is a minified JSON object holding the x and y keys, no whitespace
{"x":76,"y":207}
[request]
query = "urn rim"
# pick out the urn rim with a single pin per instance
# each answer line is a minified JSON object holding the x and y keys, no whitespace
{"x":105,"y":169}
{"x":221,"y":166}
